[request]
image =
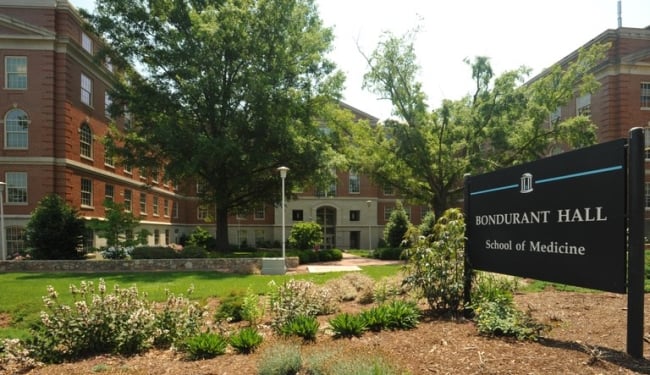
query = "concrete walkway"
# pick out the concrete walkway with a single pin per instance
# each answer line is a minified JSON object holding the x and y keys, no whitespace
{"x":349,"y":263}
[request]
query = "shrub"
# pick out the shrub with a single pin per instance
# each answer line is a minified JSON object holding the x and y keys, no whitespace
{"x":298,"y":297}
{"x":396,"y":227}
{"x":251,"y":310}
{"x":388,"y":253}
{"x":351,"y":286}
{"x":117,"y":252}
{"x":55,"y":230}
{"x":436,"y":264}
{"x":402,"y":315}
{"x":153,"y":252}
{"x":205,"y":346}
{"x":376,"y":318}
{"x":305,"y":235}
{"x":192,"y":252}
{"x":347,"y":325}
{"x":176,"y":319}
{"x":201,"y":238}
{"x":230,"y":308}
{"x":363,"y":365}
{"x":500,"y":318}
{"x":303,"y":326}
{"x":121,"y":322}
{"x":428,"y":222}
{"x":283,"y":359}
{"x":246,"y":340}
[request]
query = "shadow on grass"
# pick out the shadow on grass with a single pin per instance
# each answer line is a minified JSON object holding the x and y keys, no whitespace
{"x":135,"y":276}
{"x":597,"y":355}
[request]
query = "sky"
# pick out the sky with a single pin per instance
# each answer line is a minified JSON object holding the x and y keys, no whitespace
{"x":512,"y":33}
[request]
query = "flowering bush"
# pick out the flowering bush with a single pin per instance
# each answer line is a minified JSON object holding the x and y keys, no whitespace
{"x":117,"y":252}
{"x":121,"y":322}
{"x":299,"y":297}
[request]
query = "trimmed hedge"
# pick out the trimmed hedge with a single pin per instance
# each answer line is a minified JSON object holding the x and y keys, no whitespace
{"x":388,"y":253}
{"x":164,"y":252}
{"x":311,"y":256}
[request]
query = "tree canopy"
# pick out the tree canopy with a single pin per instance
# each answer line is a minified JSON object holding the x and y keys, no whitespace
{"x":425,"y":153}
{"x":225,"y":92}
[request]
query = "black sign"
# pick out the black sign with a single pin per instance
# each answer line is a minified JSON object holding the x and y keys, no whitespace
{"x":560,"y":219}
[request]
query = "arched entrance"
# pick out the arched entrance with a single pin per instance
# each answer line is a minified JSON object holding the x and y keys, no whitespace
{"x":326,"y":218}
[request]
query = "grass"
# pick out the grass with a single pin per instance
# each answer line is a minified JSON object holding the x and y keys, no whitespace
{"x":22,"y":293}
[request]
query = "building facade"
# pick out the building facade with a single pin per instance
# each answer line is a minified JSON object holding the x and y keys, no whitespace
{"x":623,"y":100}
{"x":53,"y":111}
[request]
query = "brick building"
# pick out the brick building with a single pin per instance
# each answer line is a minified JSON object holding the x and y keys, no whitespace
{"x":623,"y":100}
{"x":53,"y":103}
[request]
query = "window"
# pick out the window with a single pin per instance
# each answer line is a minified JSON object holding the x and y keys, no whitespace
{"x":86,"y":192}
{"x":15,"y":241}
{"x":107,"y":104}
{"x":387,"y":212}
{"x":155,"y":206}
{"x":259,"y":237}
{"x":156,"y":237}
{"x":555,"y":116}
{"x":87,"y":43}
{"x":388,"y":190}
{"x":583,"y":105}
{"x":108,"y":64}
{"x":354,"y":183}
{"x":143,"y":203}
{"x":242,"y":237}
{"x":166,"y":208}
{"x":202,"y":213}
{"x":143,"y":173}
{"x":329,"y":191}
{"x":166,"y":236}
{"x":108,"y":159}
{"x":201,"y":187}
{"x":127,"y":169}
{"x":154,"y":175}
{"x":259,"y":214}
{"x":86,"y":90}
{"x":109,"y":192}
{"x":88,"y":240}
{"x":86,"y":141}
{"x":296,"y":215}
{"x":128,"y":120}
{"x":128,"y":200}
{"x":645,"y":95}
{"x":175,"y":209}
{"x":355,"y":215}
{"x":16,"y":187}
{"x":16,"y":72}
{"x":16,"y":125}
{"x":646,"y":134}
{"x":241,"y":215}
{"x":647,"y":195}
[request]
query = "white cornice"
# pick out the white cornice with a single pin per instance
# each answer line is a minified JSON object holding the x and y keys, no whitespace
{"x":41,"y":161}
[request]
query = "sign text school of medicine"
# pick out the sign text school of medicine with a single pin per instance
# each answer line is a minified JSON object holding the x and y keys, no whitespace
{"x":559,"y":216}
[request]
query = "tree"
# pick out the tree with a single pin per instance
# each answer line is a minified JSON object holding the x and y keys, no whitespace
{"x":425,"y":154}
{"x":230,"y":91}
{"x":118,"y":227}
{"x":55,"y":230}
{"x":305,"y":235}
{"x":397,"y":226}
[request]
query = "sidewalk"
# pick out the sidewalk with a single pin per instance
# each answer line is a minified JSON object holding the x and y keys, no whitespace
{"x":349,"y":263}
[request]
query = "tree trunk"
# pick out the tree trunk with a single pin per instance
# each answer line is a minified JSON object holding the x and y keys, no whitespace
{"x":222,"y":230}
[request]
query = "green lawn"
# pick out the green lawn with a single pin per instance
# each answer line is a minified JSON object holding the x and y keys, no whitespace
{"x":22,"y":293}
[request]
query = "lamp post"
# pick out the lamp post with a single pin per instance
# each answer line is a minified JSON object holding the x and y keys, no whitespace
{"x":369,"y":202}
{"x":283,"y":175}
{"x":3,"y":247}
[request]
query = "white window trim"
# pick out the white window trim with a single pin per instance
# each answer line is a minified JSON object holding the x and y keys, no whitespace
{"x":86,"y":90}
{"x":8,"y":72}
